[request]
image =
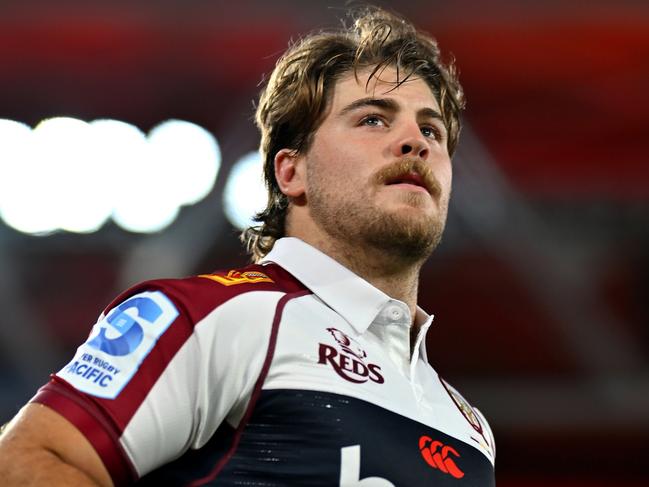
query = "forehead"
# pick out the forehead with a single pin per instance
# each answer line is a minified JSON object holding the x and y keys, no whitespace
{"x":383,"y":84}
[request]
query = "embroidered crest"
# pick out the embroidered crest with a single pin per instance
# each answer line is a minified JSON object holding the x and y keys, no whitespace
{"x":235,"y":277}
{"x":472,"y":418}
{"x":464,"y":407}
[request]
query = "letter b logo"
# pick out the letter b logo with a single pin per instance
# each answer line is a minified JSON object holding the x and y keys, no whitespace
{"x":350,"y":470}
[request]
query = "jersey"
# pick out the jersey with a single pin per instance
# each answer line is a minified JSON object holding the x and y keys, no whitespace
{"x":291,"y":372}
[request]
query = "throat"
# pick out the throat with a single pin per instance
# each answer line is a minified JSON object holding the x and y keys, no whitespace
{"x":399,"y":280}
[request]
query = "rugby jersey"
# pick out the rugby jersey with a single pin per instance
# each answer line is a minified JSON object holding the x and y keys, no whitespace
{"x":291,"y":372}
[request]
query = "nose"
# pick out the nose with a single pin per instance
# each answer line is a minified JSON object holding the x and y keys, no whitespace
{"x":411,"y":143}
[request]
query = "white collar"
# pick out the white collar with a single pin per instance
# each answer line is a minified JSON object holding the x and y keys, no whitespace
{"x":351,"y":296}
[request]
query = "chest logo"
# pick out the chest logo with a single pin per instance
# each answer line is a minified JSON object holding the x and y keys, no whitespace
{"x":440,"y":456}
{"x":348,"y":359}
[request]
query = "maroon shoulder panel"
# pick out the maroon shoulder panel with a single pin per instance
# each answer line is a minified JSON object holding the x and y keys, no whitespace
{"x":103,"y":420}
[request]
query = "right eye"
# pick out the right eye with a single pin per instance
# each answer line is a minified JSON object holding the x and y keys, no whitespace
{"x":373,"y":121}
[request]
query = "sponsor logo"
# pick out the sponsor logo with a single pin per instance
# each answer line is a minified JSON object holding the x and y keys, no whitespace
{"x":236,"y":277}
{"x":93,"y":370}
{"x":130,"y":333}
{"x":118,"y":344}
{"x":349,"y":360}
{"x":438,"y":455}
{"x":350,"y":470}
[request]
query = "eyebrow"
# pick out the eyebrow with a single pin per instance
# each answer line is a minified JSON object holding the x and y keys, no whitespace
{"x":384,"y":103}
{"x":389,"y":105}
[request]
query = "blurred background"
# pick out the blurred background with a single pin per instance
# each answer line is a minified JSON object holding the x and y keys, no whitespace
{"x":540,"y":287}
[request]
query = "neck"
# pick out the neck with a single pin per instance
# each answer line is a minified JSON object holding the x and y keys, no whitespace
{"x":395,"y":275}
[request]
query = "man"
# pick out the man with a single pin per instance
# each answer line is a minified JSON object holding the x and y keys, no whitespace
{"x":308,"y":367}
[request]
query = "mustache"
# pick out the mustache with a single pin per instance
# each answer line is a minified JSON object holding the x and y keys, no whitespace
{"x":407,"y":166}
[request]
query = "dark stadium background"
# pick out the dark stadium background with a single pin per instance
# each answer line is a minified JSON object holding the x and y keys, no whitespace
{"x":541,"y":286}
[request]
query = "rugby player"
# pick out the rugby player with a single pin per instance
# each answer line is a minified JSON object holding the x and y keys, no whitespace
{"x":309,"y":366}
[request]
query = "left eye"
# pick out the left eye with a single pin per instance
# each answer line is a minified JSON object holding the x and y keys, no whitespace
{"x":431,"y":132}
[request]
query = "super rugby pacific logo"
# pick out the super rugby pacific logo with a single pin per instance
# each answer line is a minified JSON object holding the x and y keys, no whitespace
{"x":349,"y":359}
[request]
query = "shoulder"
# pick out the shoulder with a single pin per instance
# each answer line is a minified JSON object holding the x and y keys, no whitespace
{"x":197,"y":296}
{"x":462,"y":404}
{"x":472,"y":415}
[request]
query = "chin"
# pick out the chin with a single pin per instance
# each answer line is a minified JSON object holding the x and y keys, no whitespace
{"x":406,"y":234}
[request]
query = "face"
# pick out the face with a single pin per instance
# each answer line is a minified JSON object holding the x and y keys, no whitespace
{"x":378,"y":171}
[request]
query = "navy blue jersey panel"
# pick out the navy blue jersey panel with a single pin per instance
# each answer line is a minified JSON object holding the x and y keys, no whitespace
{"x":304,"y":438}
{"x":296,"y":437}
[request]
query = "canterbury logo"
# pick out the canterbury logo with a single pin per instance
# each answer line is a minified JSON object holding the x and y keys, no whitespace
{"x":437,"y":455}
{"x":236,"y":277}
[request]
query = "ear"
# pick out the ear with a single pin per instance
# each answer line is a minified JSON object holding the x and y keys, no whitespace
{"x":289,"y":173}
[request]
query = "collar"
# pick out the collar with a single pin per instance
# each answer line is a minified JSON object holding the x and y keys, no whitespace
{"x":351,"y":296}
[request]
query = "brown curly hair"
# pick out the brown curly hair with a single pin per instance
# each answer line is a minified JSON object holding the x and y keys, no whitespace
{"x":293,"y":102}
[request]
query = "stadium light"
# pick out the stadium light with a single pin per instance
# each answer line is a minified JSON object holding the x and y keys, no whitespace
{"x":245,"y":193}
{"x":16,"y":175}
{"x":70,"y":175}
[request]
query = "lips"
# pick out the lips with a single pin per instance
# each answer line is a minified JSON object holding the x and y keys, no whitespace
{"x":411,"y":173}
{"x":412,"y":178}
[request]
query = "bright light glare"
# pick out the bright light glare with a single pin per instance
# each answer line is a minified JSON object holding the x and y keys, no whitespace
{"x":245,"y":193}
{"x":190,"y":156}
{"x":64,"y":151}
{"x":132,"y":180}
{"x":15,"y":176}
{"x":70,"y":175}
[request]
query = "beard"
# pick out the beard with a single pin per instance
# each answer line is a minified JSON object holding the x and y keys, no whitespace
{"x":404,"y":236}
{"x":350,"y":216}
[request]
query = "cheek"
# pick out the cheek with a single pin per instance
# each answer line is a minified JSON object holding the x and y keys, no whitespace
{"x":338,"y":167}
{"x":450,"y":180}
{"x":335,"y":171}
{"x":324,"y":177}
{"x":445,"y":176}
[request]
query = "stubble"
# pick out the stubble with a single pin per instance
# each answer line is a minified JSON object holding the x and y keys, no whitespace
{"x":351,"y":215}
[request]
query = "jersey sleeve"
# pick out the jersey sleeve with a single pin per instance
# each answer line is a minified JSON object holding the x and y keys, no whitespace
{"x":156,"y":376}
{"x":113,"y":373}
